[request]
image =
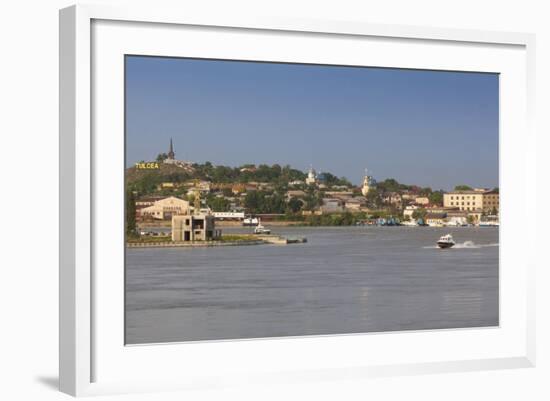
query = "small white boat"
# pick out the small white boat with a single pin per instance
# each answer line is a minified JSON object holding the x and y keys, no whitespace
{"x":260,"y":229}
{"x":488,"y":224}
{"x":446,"y":241}
{"x":251,"y":221}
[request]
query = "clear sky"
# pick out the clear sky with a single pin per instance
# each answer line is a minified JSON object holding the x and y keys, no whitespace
{"x":429,"y":128}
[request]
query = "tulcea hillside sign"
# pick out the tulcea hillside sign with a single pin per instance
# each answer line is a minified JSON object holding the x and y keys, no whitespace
{"x":147,"y":166}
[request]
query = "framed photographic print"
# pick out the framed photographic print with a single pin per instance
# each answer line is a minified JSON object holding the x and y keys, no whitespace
{"x":275,"y":200}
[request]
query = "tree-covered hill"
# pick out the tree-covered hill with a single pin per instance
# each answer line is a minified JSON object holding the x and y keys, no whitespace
{"x":144,"y":180}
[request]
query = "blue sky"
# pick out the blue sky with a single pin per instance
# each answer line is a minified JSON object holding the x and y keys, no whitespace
{"x":429,"y":128}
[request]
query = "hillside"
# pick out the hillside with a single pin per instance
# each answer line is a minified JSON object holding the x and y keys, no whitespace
{"x":209,"y":172}
{"x":165,"y":172}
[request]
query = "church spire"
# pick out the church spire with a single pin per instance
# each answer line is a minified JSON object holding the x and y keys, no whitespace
{"x":171,"y":154}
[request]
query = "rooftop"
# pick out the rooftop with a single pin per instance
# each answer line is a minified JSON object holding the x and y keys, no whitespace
{"x":473,"y":192}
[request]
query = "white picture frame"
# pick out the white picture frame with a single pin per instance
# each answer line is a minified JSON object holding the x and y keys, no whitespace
{"x":86,"y":350}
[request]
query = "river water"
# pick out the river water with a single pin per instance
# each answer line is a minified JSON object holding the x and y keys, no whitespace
{"x":344,"y":280}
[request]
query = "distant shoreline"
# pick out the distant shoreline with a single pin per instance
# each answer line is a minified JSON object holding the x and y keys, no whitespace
{"x":197,"y":244}
{"x":219,"y":223}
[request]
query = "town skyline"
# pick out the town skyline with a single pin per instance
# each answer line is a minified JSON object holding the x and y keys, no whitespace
{"x":170,"y":153}
{"x":416,"y":150}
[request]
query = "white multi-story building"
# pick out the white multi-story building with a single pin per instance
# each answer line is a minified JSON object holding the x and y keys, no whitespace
{"x":473,"y":200}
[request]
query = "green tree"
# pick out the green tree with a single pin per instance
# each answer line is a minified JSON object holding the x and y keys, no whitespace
{"x":389,"y":185}
{"x":419,"y":214}
{"x":425,"y":191}
{"x":463,"y":188}
{"x":252,"y":202}
{"x":130,"y":214}
{"x":274,"y":203}
{"x":374,"y":198}
{"x":294,"y":205}
{"x":161,"y":157}
{"x":436,"y":198}
{"x":146,"y":184}
{"x":218,"y":204}
{"x":312,"y":200}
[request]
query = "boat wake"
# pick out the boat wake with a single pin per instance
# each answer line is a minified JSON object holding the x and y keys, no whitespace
{"x":465,"y":245}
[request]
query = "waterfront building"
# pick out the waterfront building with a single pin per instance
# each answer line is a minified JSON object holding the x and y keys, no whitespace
{"x":441,"y":209}
{"x":331,"y":205}
{"x":147,"y":201}
{"x":194,"y":227}
{"x":233,"y":215}
{"x":483,"y":200}
{"x":435,"y":219}
{"x":457,"y":218}
{"x":165,"y":208}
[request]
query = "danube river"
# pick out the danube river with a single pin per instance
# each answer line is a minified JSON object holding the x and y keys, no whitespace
{"x":344,"y":280}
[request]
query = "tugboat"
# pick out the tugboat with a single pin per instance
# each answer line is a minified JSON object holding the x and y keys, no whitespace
{"x":260,"y":229}
{"x":446,"y":241}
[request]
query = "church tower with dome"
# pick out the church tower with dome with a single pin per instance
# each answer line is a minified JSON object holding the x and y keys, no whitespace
{"x":368,"y":182}
{"x":311,"y":177}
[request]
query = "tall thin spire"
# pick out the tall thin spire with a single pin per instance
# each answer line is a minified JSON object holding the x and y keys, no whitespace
{"x":171,"y":154}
